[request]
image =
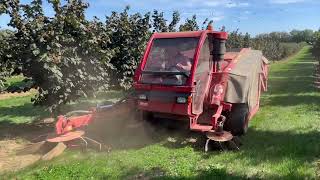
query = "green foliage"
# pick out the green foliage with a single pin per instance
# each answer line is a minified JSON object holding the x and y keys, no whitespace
{"x":21,"y":86}
{"x":129,"y":34}
{"x":300,"y":36}
{"x":65,"y":55}
{"x":159,"y":22}
{"x":246,"y":40}
{"x":273,"y":48}
{"x":275,"y":45}
{"x":190,"y":24}
{"x":269,"y":45}
{"x":316,"y":46}
{"x":236,"y":39}
{"x":206,"y":23}
{"x":7,"y":65}
{"x":174,"y":22}
{"x":289,"y":48}
{"x":69,"y":56}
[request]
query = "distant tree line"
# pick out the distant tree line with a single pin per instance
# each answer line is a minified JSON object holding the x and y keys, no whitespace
{"x":275,"y":45}
{"x":69,"y":56}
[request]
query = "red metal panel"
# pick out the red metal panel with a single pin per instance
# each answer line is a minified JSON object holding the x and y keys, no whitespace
{"x":138,"y":86}
{"x":164,"y":107}
{"x":178,"y":34}
{"x":220,"y":35}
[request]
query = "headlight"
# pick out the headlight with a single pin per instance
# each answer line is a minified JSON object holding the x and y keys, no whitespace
{"x":142,"y":97}
{"x":181,"y":100}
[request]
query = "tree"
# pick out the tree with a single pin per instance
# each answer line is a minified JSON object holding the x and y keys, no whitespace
{"x":69,"y":56}
{"x":190,"y":24}
{"x":159,"y":23}
{"x":302,"y":36}
{"x":246,"y":40}
{"x":7,"y":64}
{"x":174,"y":22}
{"x":316,"y":46}
{"x":206,"y":23}
{"x":282,"y":36}
{"x":129,"y":34}
{"x":235,"y":40}
{"x":66,"y":55}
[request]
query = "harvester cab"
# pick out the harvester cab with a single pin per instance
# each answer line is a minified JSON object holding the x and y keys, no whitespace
{"x":190,"y":76}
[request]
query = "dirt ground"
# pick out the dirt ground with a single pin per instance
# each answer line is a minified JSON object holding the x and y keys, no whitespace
{"x":9,"y":161}
{"x":14,"y":137}
{"x":16,"y":94}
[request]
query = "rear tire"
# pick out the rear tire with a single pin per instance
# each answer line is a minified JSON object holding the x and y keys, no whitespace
{"x":237,"y":122}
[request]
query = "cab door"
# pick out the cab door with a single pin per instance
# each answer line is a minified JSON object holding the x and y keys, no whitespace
{"x":202,"y":77}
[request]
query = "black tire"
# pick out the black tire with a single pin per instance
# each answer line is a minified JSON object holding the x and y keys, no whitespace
{"x":237,"y":122}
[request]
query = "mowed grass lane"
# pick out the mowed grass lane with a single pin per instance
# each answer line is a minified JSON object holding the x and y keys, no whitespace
{"x":283,"y":142}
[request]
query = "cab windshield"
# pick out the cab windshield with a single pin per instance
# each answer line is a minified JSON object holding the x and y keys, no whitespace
{"x":169,"y":61}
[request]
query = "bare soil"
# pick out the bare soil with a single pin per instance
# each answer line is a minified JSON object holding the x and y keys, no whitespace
{"x":9,"y":160}
{"x":16,"y":94}
{"x":14,"y":137}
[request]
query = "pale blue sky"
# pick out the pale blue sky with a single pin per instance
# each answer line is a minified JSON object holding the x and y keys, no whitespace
{"x":253,"y":16}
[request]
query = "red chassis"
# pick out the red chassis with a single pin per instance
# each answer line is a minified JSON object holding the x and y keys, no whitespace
{"x":197,"y":100}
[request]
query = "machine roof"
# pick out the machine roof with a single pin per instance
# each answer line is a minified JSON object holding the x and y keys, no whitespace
{"x":178,"y":34}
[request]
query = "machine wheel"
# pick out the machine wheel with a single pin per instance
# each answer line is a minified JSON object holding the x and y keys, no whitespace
{"x":237,"y":121}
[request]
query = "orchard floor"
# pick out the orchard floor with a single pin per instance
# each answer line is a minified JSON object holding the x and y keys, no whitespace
{"x":283,"y":141}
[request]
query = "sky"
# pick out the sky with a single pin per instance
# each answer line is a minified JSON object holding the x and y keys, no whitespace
{"x":253,"y":16}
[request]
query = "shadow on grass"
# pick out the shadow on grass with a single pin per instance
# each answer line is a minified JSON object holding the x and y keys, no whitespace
{"x":260,"y":147}
{"x":28,"y":131}
{"x":159,"y":173}
{"x":294,"y":77}
{"x":27,"y":110}
{"x":292,"y":100}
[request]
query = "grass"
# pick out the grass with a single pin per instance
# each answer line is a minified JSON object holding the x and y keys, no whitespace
{"x":20,"y":110}
{"x":282,"y":142}
{"x":14,"y":80}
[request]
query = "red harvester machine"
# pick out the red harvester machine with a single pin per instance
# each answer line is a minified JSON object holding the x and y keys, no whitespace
{"x":189,"y":76}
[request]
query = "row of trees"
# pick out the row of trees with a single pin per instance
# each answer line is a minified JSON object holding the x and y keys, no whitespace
{"x":273,"y":45}
{"x":69,"y":56}
{"x":316,"y":46}
{"x":316,"y":54}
